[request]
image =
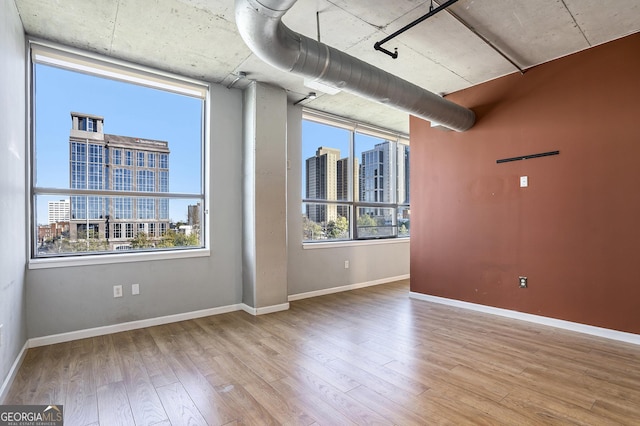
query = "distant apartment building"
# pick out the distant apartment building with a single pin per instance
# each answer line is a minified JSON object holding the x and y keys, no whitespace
{"x":52,"y":231}
{"x":106,"y":162}
{"x":193,"y":215}
{"x":321,"y":184}
{"x":58,"y":211}
{"x":342,"y":184}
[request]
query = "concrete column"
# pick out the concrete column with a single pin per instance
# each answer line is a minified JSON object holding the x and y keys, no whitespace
{"x":265,"y":199}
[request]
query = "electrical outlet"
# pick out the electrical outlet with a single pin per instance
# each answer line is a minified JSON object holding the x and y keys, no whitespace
{"x":346,"y":264}
{"x":117,"y":291}
{"x":135,"y":289}
{"x":523,"y":282}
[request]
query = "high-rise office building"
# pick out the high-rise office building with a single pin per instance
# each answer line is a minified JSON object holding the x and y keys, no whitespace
{"x":58,"y":211}
{"x":375,"y":174}
{"x":382,"y":172}
{"x":100,"y":161}
{"x":403,"y":175}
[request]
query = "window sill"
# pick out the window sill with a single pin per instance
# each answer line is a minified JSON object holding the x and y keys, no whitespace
{"x":106,"y":259}
{"x":354,"y":243}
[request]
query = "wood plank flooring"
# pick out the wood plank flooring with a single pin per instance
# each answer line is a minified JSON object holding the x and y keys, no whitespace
{"x":368,"y":356}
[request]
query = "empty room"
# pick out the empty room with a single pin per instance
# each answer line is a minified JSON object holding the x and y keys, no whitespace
{"x":319,"y":212}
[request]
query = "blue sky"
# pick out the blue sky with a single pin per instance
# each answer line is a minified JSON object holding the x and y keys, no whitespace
{"x":128,"y":110}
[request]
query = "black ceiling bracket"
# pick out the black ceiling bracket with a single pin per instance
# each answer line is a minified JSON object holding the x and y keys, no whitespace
{"x":393,"y":54}
{"x":432,"y":11}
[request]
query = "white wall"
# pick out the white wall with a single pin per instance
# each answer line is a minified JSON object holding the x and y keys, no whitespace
{"x":12,"y":187}
{"x":62,"y":300}
{"x":314,"y":270}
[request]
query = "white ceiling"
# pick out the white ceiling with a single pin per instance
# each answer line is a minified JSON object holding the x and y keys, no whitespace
{"x":198,"y":38}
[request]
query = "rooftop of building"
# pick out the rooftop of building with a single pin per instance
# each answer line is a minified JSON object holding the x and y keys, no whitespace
{"x":136,"y":143}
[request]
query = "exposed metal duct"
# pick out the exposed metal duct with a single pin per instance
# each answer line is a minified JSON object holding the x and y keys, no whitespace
{"x":261,"y":27}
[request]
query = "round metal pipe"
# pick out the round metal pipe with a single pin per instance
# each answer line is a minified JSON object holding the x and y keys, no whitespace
{"x":260,"y":25}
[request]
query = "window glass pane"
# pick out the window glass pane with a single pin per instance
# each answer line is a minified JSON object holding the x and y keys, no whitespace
{"x":87,"y":138}
{"x":147,"y":116}
{"x":376,"y":172}
{"x":164,"y":161}
{"x":336,"y":228}
{"x":374,"y":182}
{"x":326,"y":162}
{"x":404,"y":221}
{"x":117,"y":157}
{"x":163,"y":185}
{"x":133,"y":224}
{"x":376,"y":222}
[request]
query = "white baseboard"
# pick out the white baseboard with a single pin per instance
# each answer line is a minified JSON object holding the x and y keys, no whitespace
{"x":538,"y":319}
{"x":126,"y":326}
{"x":347,"y":287}
{"x":12,"y":372}
{"x":266,"y":310}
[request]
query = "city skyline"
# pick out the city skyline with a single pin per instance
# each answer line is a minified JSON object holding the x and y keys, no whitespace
{"x":148,"y":114}
{"x":363,"y":177}
{"x":380,"y":175}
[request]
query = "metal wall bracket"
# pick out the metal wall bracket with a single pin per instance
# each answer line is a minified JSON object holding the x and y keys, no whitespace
{"x":394,"y":55}
{"x":526,"y":157}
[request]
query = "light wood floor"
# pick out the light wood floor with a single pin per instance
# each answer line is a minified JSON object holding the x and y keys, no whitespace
{"x":369,"y":356}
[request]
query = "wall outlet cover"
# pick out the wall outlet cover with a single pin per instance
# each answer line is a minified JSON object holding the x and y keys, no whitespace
{"x":117,"y":291}
{"x":523,"y":282}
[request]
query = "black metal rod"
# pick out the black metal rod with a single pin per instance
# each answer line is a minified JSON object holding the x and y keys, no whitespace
{"x":526,"y":157}
{"x":393,"y":54}
{"x":378,"y":46}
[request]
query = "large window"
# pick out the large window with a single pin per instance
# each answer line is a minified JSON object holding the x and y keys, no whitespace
{"x":355,"y":181}
{"x":105,"y":133}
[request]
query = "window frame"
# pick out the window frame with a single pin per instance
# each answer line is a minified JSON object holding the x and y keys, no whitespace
{"x":53,"y":54}
{"x":355,"y":127}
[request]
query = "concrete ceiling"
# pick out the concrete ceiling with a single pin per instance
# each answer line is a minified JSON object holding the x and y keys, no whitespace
{"x":198,"y":38}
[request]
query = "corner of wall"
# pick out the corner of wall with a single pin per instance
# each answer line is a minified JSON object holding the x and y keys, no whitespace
{"x":13,"y":214}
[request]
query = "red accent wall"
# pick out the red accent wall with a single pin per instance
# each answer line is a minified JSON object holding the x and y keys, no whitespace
{"x":575,"y":231}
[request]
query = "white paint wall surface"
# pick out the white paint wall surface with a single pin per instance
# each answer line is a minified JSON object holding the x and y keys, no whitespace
{"x":13,"y":212}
